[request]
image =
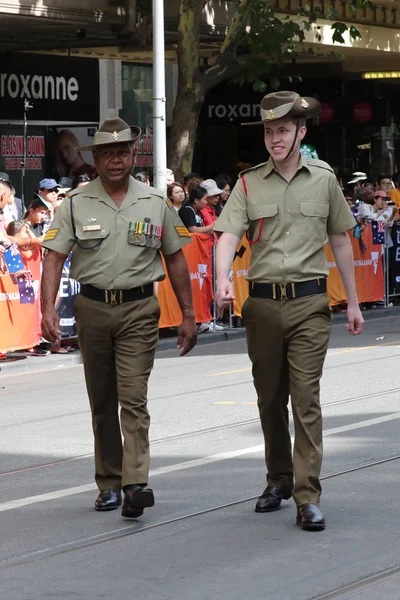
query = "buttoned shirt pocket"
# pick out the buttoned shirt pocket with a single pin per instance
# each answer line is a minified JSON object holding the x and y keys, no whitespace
{"x":90,"y":240}
{"x":268,"y":214}
{"x":314,"y":219}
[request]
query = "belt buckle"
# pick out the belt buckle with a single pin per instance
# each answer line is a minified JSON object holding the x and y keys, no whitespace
{"x":282,"y":287}
{"x":114,"y":300}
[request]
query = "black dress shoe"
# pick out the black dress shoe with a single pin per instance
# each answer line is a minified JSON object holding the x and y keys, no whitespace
{"x":136,"y":498}
{"x":310,"y":518}
{"x":272,"y":497}
{"x":108,"y":500}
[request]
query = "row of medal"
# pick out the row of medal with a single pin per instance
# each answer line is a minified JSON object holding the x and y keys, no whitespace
{"x":145,"y":234}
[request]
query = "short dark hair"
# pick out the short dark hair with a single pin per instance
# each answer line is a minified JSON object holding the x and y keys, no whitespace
{"x":190,"y":176}
{"x":223,"y":180}
{"x":381,"y":177}
{"x":80,"y":179}
{"x":197,"y":193}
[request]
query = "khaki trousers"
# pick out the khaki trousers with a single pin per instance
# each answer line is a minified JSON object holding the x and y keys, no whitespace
{"x":287,"y":343}
{"x":118,"y":346}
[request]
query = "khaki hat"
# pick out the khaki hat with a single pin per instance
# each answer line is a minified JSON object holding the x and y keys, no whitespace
{"x":286,"y":104}
{"x":113,"y":131}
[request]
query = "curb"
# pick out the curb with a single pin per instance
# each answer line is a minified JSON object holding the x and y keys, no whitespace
{"x":51,"y":363}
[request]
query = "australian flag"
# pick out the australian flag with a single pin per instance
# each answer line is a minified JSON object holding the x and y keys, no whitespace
{"x":13,"y":259}
{"x":378,"y":232}
{"x":25,"y":287}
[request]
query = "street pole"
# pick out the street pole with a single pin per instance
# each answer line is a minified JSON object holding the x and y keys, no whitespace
{"x":159,"y":124}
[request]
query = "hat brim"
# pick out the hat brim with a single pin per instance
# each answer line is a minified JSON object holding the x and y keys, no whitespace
{"x":136,"y":133}
{"x":356,"y":180}
{"x":300,"y":108}
{"x":43,"y":201}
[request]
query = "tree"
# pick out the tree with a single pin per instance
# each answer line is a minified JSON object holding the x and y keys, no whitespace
{"x":255,"y":40}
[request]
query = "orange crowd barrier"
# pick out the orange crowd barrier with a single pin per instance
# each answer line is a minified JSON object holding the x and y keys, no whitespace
{"x":199,"y":258}
{"x":20,"y":322}
{"x":368,"y":269}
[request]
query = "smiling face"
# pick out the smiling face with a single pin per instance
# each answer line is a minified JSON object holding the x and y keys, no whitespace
{"x":279,"y":136}
{"x":114,"y":162}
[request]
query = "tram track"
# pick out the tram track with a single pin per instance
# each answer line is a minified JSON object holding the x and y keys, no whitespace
{"x":362,"y":585}
{"x":207,"y":430}
{"x":120,"y":533}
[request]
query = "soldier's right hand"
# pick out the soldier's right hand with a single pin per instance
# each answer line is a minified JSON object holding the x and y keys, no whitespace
{"x":225,"y":293}
{"x":51,"y":326}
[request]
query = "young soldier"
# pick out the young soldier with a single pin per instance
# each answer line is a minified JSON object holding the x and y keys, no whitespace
{"x":290,"y":207}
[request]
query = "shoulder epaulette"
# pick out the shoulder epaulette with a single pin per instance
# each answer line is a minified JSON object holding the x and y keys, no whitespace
{"x":251,"y":169}
{"x":315,"y":162}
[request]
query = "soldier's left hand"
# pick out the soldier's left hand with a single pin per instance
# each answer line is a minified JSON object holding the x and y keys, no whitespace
{"x":187,"y":335}
{"x":355,"y":320}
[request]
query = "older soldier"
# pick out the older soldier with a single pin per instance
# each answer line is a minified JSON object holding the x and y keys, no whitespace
{"x":290,"y":207}
{"x":118,"y":227}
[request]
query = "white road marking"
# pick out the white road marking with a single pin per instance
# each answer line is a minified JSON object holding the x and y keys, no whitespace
{"x":190,"y":464}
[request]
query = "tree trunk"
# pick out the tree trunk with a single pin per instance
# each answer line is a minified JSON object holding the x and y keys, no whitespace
{"x":184,"y":127}
{"x":190,"y":94}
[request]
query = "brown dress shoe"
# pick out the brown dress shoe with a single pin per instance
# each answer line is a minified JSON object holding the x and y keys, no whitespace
{"x":272,"y":497}
{"x":136,"y":498}
{"x":108,"y":500}
{"x":310,"y":518}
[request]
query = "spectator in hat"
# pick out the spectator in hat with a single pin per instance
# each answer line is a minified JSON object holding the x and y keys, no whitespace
{"x":377,"y":210}
{"x":356,"y":181}
{"x":48,"y":190}
{"x":70,"y":162}
{"x":36,"y":215}
{"x":213,"y":193}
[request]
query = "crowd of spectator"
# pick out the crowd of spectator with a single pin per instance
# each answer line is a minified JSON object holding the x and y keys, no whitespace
{"x":199,"y":202}
{"x":374,"y":200}
{"x":27,"y":228}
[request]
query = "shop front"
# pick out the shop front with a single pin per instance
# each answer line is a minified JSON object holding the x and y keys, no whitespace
{"x":358,"y":128}
{"x":49,"y":105}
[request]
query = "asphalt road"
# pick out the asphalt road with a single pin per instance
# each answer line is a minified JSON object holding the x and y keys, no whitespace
{"x":203,"y":540}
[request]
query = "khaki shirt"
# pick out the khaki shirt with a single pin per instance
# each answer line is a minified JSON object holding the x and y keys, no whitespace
{"x":114,"y":263}
{"x":296,"y":218}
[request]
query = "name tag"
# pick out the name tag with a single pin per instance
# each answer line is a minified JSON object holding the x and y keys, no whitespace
{"x":91,"y":227}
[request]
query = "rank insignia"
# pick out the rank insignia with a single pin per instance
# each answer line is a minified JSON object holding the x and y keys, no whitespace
{"x":51,"y":235}
{"x":304,"y":103}
{"x":115,"y":135}
{"x":182,"y":231}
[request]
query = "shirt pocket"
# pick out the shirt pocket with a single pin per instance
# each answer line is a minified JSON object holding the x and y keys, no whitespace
{"x":314,"y":220}
{"x":268,"y":214}
{"x":90,"y":240}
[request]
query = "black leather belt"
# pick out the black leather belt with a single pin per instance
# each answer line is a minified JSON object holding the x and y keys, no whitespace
{"x":114,"y":297}
{"x":287,"y":291}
